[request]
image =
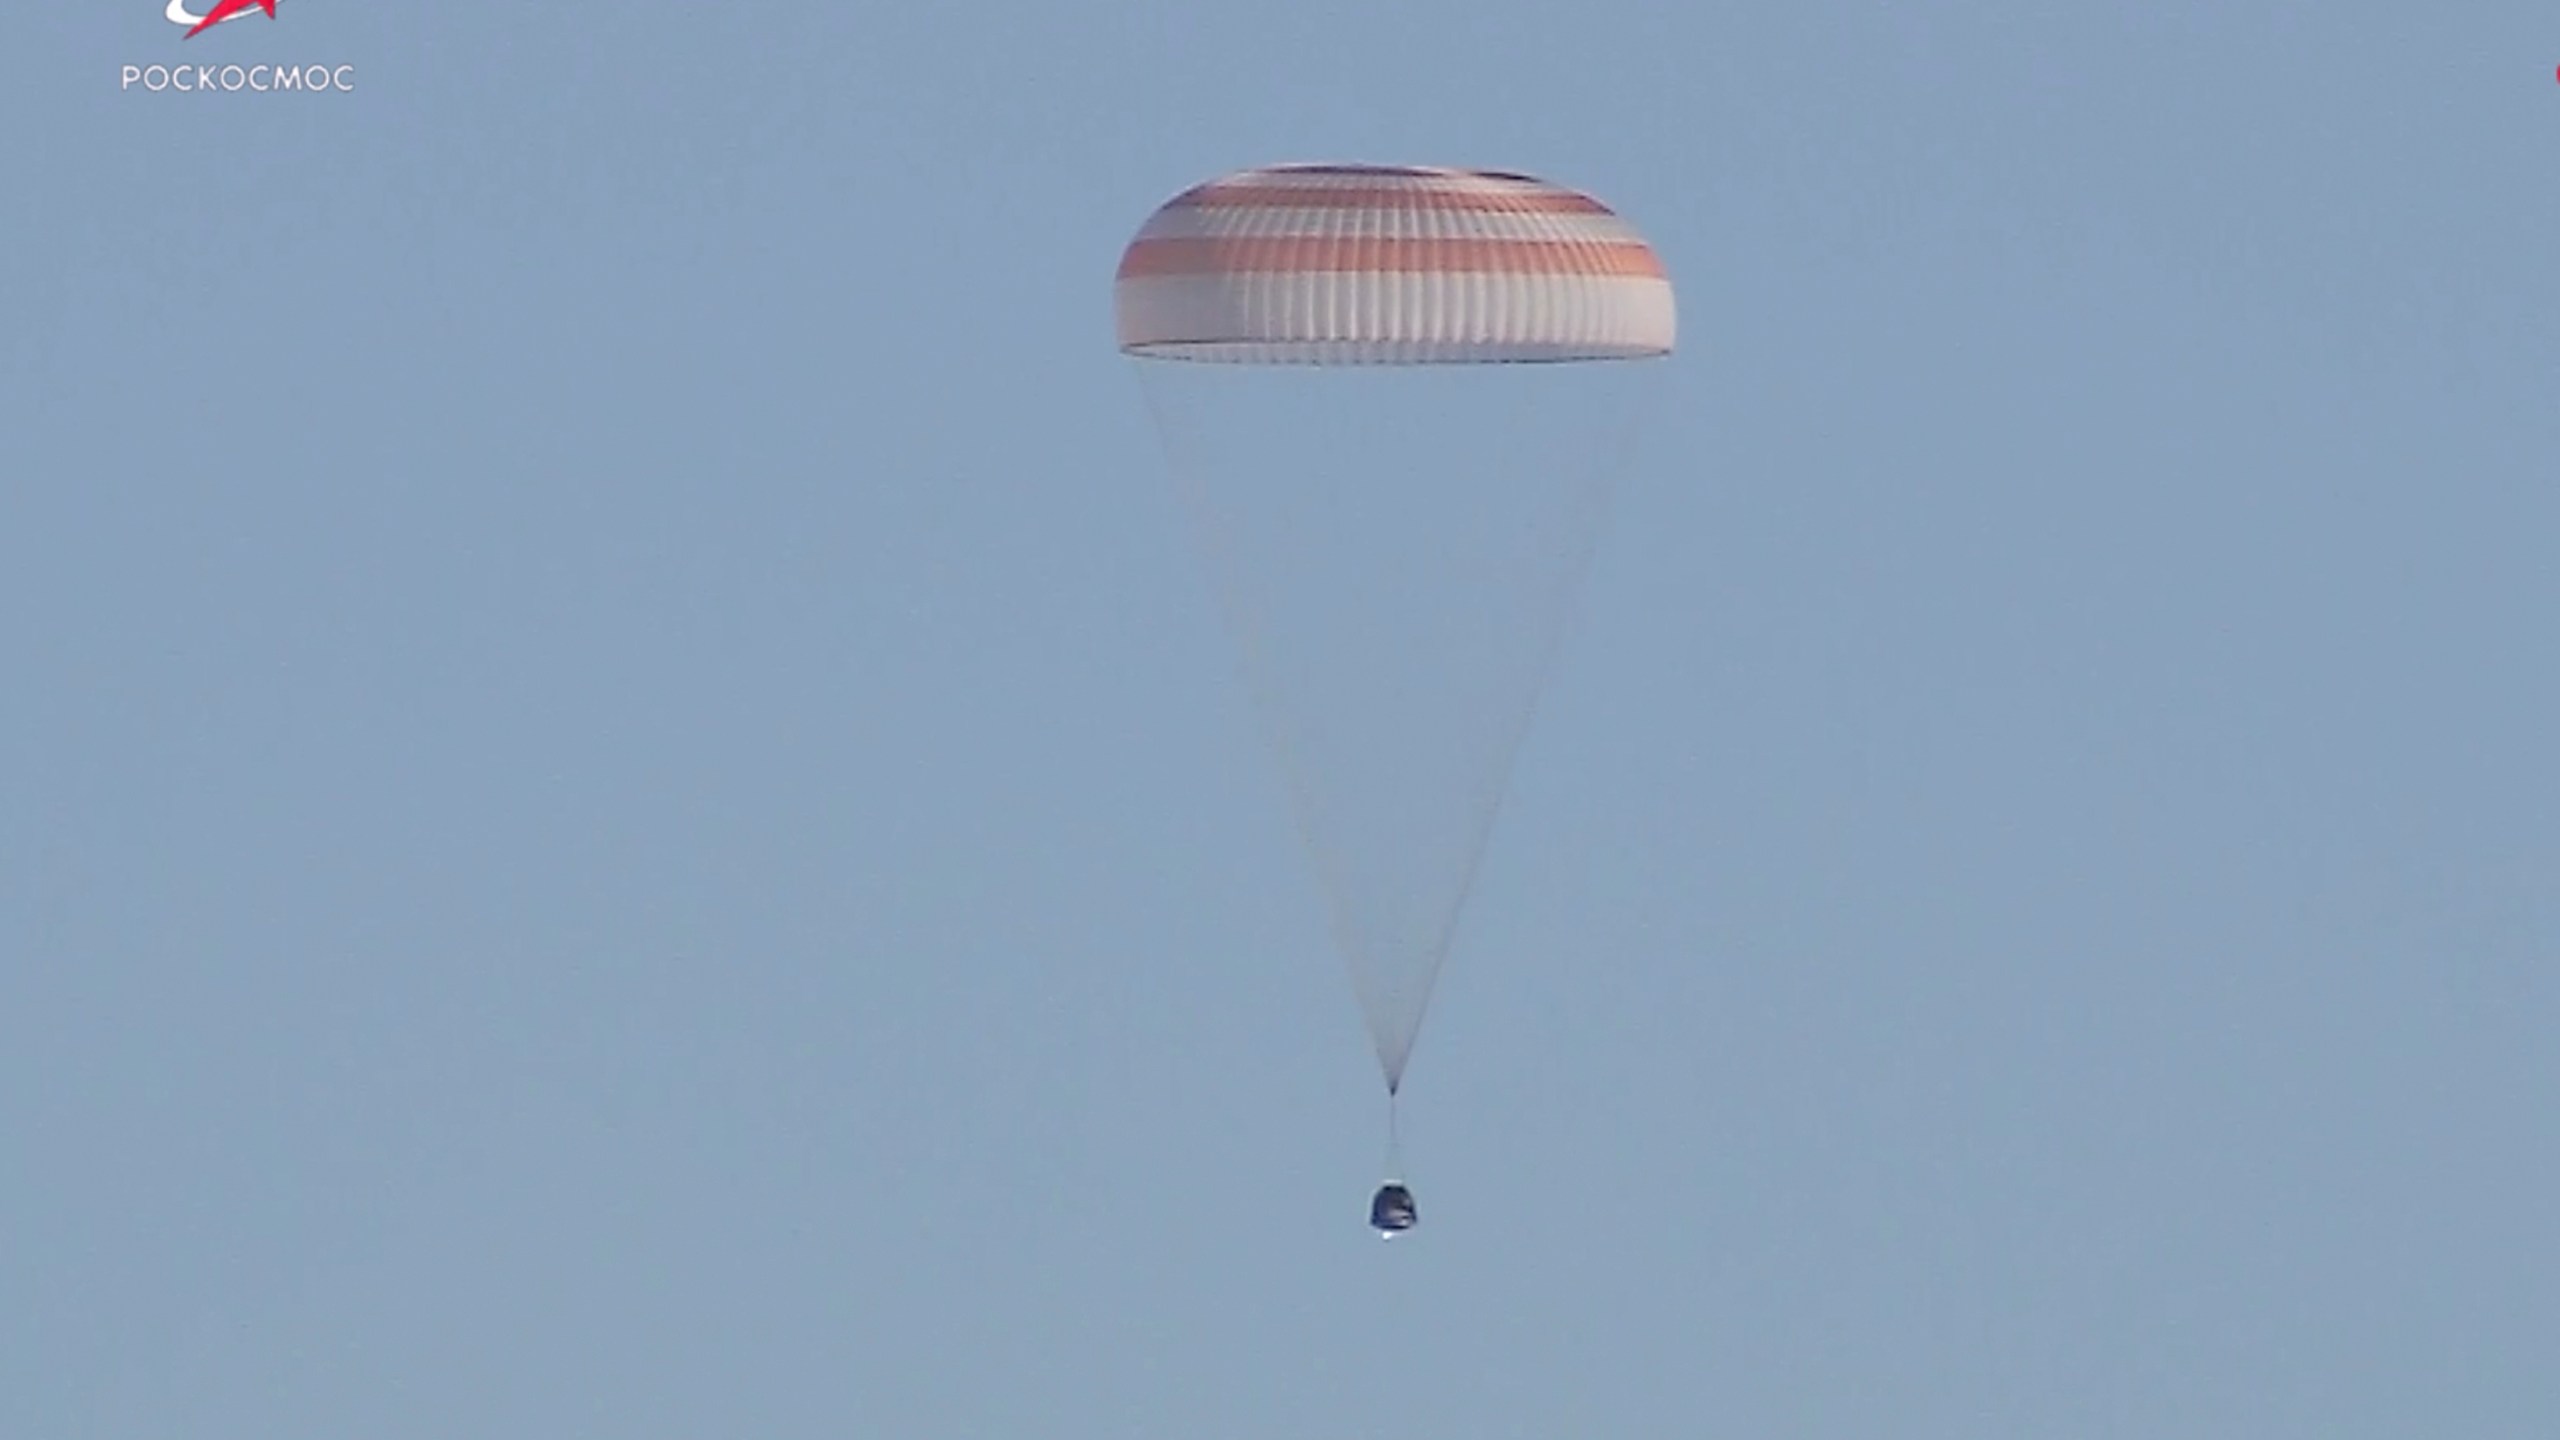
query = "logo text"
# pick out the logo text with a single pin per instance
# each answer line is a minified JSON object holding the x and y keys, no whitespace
{"x":261,"y":78}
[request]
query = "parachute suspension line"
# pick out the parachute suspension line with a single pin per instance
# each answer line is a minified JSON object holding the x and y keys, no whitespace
{"x":1245,"y":624}
{"x":1600,"y":494}
{"x":1186,"y":457}
{"x":1395,"y":1141}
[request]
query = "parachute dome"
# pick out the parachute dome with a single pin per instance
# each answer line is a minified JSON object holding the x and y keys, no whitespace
{"x":1367,"y":264}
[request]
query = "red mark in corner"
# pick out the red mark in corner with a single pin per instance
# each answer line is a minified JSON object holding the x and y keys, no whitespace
{"x":225,"y":10}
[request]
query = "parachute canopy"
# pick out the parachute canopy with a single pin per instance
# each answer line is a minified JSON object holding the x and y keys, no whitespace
{"x":1371,"y":264}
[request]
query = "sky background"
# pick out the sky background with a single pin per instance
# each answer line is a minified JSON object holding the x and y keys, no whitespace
{"x":623,"y":810}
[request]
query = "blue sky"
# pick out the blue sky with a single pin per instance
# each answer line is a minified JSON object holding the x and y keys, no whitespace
{"x":623,"y":809}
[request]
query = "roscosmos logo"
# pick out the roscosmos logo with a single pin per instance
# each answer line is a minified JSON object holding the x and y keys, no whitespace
{"x":264,"y":77}
{"x":220,"y":11}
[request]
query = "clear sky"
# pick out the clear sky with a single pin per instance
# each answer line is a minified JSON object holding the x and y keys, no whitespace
{"x":623,"y":810}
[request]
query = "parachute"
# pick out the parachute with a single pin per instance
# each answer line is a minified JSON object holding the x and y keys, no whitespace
{"x":1394,"y":399}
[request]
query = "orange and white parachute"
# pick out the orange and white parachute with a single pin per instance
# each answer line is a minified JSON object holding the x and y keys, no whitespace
{"x":1396,"y":509}
{"x":1369,"y":264}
